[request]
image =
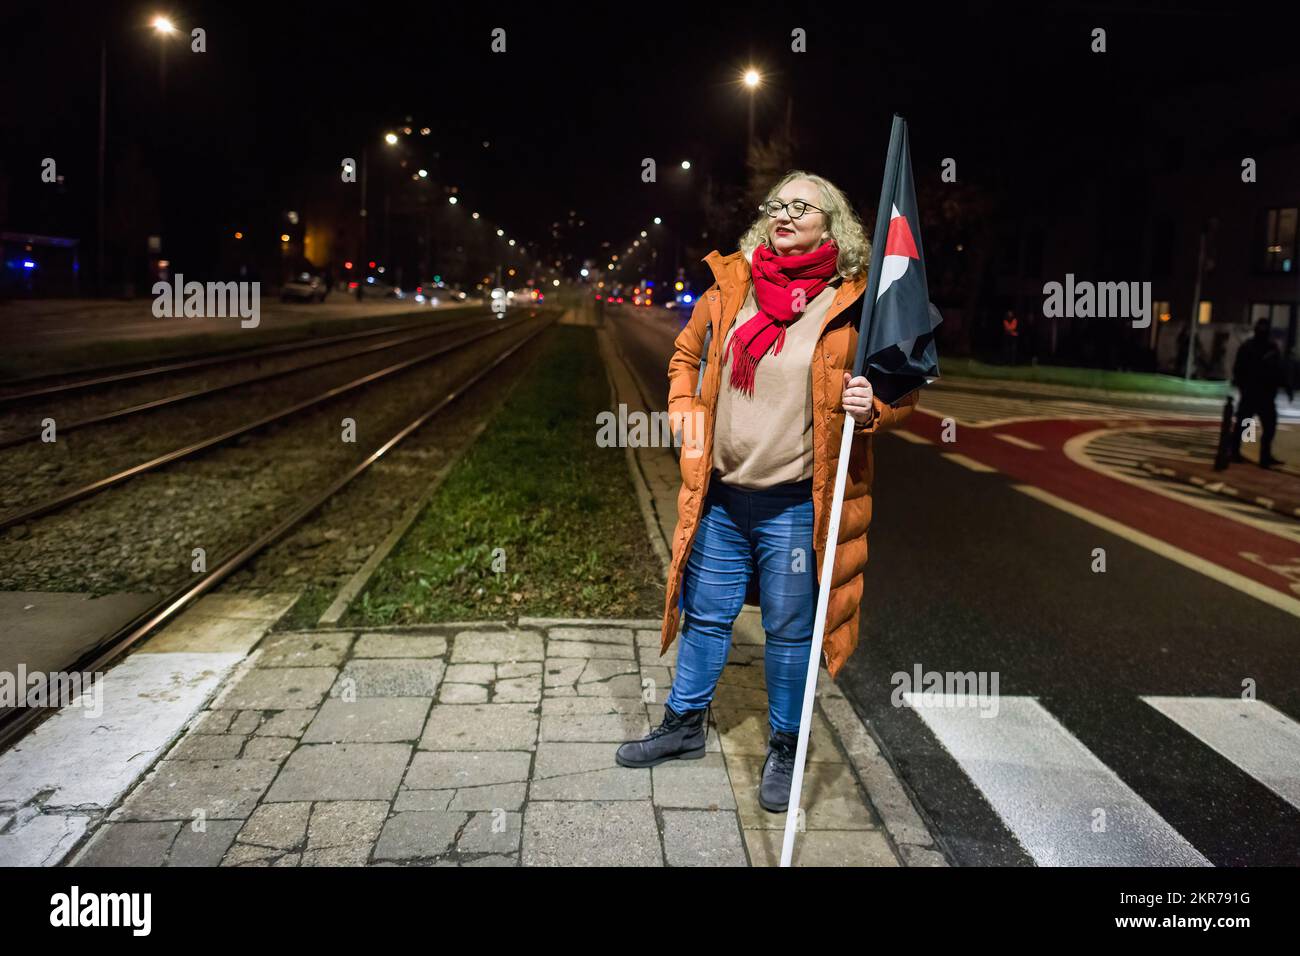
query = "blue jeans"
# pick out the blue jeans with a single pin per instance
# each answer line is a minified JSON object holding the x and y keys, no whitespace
{"x":769,"y":531}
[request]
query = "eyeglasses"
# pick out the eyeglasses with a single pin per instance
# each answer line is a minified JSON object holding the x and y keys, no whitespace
{"x":795,"y":210}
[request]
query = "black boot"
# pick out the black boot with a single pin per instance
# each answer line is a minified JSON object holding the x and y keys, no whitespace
{"x":678,"y":737}
{"x":778,"y":772}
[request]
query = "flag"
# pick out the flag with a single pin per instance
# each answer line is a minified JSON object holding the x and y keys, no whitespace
{"x":898,"y":349}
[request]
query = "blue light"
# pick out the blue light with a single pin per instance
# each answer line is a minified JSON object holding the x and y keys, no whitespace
{"x":28,"y":264}
{"x":370,"y":279}
{"x":687,"y":298}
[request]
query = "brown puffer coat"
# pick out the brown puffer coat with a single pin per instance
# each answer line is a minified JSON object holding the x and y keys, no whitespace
{"x":832,"y":357}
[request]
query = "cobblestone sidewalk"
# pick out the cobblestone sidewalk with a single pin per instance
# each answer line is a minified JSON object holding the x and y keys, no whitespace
{"x":486,"y":746}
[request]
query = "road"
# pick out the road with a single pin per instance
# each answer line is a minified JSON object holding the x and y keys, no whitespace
{"x":1142,"y":714}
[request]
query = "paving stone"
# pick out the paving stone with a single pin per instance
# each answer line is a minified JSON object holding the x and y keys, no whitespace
{"x":346,"y":823}
{"x":650,"y":656}
{"x":501,"y":796}
{"x":418,"y":833}
{"x":491,"y":832}
{"x":389,"y":677}
{"x":341,"y":772}
{"x":206,"y":848}
{"x":130,"y":844}
{"x":627,"y":686}
{"x":222,"y":789}
{"x":336,"y":856}
{"x":494,"y":860}
{"x":821,"y":847}
{"x":589,"y":649}
{"x":745,"y":734}
{"x":519,"y":669}
{"x":472,"y":673}
{"x":437,"y":770}
{"x":575,"y":706}
{"x":734,"y":697}
{"x":518,"y":690}
{"x":753,"y":676}
{"x":276,"y":688}
{"x":270,"y":748}
{"x":213,"y":721}
{"x":287,"y":723}
{"x":243,"y":854}
{"x":304,"y":650}
{"x":480,"y":727}
{"x":289,"y":859}
{"x":601,"y":635}
{"x":697,"y":784}
{"x":368,"y":720}
{"x":581,"y":771}
{"x":921,"y":856}
{"x":246,"y":722}
{"x":400,"y":645}
{"x":207,"y":747}
{"x":567,"y":690}
{"x":278,"y":825}
{"x":604,"y":833}
{"x":463,"y":694}
{"x":562,"y":671}
{"x":422,"y":800}
{"x":831,"y":797}
{"x":703,"y":838}
{"x":663,"y":681}
{"x":472,"y":647}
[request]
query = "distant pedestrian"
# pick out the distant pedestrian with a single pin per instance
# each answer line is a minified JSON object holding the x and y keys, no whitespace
{"x":764,"y":406}
{"x":1257,"y":373}
{"x":1010,"y":337}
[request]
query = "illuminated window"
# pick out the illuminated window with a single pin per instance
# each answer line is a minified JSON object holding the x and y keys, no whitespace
{"x":1279,"y":240}
{"x":1203,"y":317}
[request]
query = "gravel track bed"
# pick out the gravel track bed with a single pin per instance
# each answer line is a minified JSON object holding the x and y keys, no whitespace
{"x":139,"y":536}
{"x":37,"y":471}
{"x":25,"y":416}
{"x":323,"y":553}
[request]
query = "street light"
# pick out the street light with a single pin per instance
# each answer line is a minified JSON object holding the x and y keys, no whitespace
{"x":163,"y":24}
{"x":390,"y":139}
{"x":686,"y":164}
{"x":751,"y":79}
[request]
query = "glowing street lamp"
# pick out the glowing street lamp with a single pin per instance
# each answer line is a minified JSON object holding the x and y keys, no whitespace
{"x":163,"y":24}
{"x":752,"y":78}
{"x":390,"y":139}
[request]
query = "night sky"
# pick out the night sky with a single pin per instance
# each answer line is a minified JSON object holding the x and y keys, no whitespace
{"x":584,"y":92}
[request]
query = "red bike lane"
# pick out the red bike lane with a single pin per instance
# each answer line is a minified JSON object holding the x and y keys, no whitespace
{"x":1215,"y":538}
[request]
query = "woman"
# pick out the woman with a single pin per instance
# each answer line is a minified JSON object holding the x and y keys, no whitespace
{"x":759,"y":385}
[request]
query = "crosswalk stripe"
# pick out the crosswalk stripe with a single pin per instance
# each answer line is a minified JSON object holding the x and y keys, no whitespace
{"x":1048,"y":787}
{"x":965,"y":462}
{"x":1255,"y":737}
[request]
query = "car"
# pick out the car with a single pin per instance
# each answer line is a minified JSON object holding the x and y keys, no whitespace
{"x":304,"y":287}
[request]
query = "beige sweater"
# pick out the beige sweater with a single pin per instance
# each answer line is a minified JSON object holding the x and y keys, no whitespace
{"x":766,"y":439}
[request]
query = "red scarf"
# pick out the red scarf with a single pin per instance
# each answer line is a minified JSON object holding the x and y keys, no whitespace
{"x":775,"y":280}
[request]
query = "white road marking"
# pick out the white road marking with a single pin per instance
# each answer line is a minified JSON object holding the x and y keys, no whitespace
{"x":1050,"y":790}
{"x":1018,"y":441}
{"x":1259,"y":739}
{"x":1231,"y":578}
{"x":965,"y":462}
{"x":913,"y":437}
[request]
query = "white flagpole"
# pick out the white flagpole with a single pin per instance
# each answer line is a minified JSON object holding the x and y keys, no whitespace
{"x":897,"y":133}
{"x":819,"y":634}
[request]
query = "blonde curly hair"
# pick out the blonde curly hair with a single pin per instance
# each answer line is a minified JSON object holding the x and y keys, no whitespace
{"x":841,"y":221}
